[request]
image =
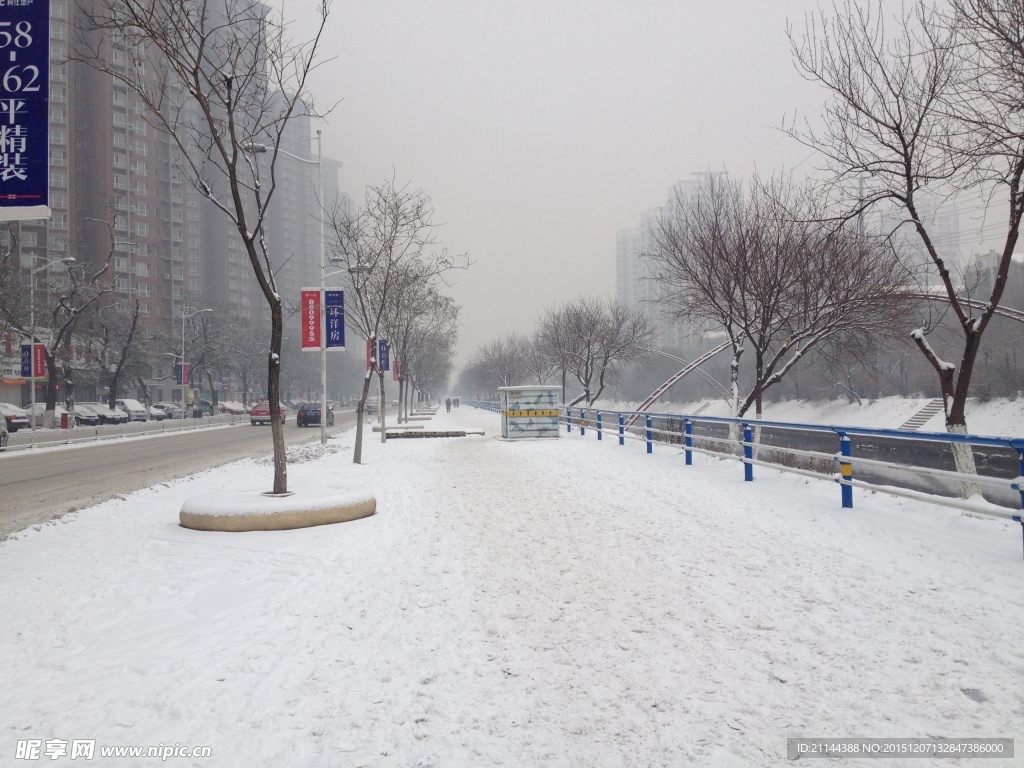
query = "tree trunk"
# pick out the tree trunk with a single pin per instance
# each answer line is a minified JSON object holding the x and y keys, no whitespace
{"x":357,"y":454}
{"x":383,"y":426}
{"x":273,"y":394}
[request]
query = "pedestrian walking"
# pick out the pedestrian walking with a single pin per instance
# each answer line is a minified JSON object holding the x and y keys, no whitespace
{"x":448,"y":405}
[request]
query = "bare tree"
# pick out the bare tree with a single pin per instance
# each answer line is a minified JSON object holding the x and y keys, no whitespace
{"x":778,"y":281}
{"x":387,"y":246}
{"x":934,"y":106}
{"x":222,"y":79}
{"x":590,"y":338}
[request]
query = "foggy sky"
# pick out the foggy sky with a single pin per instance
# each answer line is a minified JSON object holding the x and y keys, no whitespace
{"x":541,"y":127}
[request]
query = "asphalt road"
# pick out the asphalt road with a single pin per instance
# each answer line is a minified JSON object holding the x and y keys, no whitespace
{"x":39,"y":485}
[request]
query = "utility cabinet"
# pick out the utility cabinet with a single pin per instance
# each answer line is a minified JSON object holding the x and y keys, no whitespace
{"x":529,"y":411}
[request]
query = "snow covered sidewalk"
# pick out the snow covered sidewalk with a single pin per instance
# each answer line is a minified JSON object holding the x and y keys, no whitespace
{"x":557,"y":603}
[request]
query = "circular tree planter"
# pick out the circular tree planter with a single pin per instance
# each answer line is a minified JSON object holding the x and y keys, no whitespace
{"x":247,"y":510}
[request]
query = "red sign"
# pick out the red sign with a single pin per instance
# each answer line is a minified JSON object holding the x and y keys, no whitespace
{"x":310,"y":314}
{"x":39,"y":361}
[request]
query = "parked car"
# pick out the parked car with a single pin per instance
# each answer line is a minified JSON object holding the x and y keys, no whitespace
{"x":309,"y":413}
{"x":173,"y":410}
{"x":156,"y":413}
{"x":38,"y":414}
{"x":3,"y":434}
{"x":372,"y":406}
{"x":15,"y":417}
{"x":260,"y":414}
{"x":107,"y":414}
{"x":205,"y":407}
{"x":136,"y":411}
{"x":85,"y":416}
{"x":233,"y":407}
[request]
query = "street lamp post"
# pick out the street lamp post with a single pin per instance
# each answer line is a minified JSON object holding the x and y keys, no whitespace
{"x":67,"y":261}
{"x":184,"y":316}
{"x":261,"y":148}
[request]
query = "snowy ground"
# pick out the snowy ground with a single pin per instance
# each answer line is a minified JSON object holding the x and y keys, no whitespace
{"x":557,"y":603}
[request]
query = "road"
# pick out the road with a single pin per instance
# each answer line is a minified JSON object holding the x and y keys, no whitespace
{"x":39,"y":485}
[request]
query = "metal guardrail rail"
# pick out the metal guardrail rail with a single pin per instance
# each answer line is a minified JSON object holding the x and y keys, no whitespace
{"x":22,"y":439}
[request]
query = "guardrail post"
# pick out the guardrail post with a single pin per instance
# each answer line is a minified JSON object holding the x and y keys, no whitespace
{"x":1020,"y":470}
{"x":748,"y":453}
{"x":568,"y":419}
{"x":1019,"y":519}
{"x":688,"y":439}
{"x":622,"y":429}
{"x":583,"y":422}
{"x":845,"y":470}
{"x":650,"y":436}
{"x":599,"y":435}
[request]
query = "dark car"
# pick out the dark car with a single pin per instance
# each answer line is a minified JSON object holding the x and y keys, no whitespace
{"x":309,"y":414}
{"x":15,"y":417}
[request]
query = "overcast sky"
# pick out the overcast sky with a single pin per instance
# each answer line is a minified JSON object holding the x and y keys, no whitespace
{"x":542,"y":127}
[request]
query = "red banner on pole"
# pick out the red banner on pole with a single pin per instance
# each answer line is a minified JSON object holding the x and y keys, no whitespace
{"x":310,"y":315}
{"x":38,"y":361}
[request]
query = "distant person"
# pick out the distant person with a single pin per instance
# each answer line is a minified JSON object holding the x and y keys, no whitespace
{"x":448,"y":405}
{"x":456,"y":402}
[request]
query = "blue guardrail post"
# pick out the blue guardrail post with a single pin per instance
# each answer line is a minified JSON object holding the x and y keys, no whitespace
{"x":622,"y":429}
{"x":688,"y":430}
{"x":599,"y":434}
{"x":568,"y":419}
{"x":748,"y":453}
{"x":650,"y":436}
{"x":846,"y":470}
{"x":583,"y":422}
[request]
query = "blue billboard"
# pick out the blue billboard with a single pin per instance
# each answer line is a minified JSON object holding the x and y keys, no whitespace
{"x":24,"y":109}
{"x":334,"y":307}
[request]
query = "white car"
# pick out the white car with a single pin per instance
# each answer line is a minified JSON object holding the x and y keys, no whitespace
{"x":136,"y":411}
{"x":37,"y":414}
{"x":3,"y":434}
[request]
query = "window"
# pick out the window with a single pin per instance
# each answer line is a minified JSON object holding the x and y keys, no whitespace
{"x":120,"y":181}
{"x":120,"y":160}
{"x":144,"y":307}
{"x":193,"y":228}
{"x":58,"y":136}
{"x":121,"y":285}
{"x":176,"y":234}
{"x":140,"y":187}
{"x":139,"y":127}
{"x":142,"y":269}
{"x":119,"y":57}
{"x":141,"y":148}
{"x":120,"y":263}
{"x":58,"y":157}
{"x":141,"y":208}
{"x":193,"y":285}
{"x":193,"y":255}
{"x":176,"y":292}
{"x":119,"y":99}
{"x":177,"y":273}
{"x":58,"y":179}
{"x":27,"y":238}
{"x":233,"y":271}
{"x":120,"y":221}
{"x":119,"y":119}
{"x":142,"y":289}
{"x":193,"y":242}
{"x":140,"y":168}
{"x":58,"y":115}
{"x":58,"y":93}
{"x":142,"y":228}
{"x":176,"y":216}
{"x":193,"y":270}
{"x":176,"y":196}
{"x":120,"y":141}
{"x":176,"y":254}
{"x":59,"y":220}
{"x":58,"y":199}
{"x":193,"y":215}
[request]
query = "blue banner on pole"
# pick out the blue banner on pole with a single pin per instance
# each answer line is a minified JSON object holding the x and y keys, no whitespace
{"x":383,"y":355}
{"x":24,"y":110}
{"x":26,"y":361}
{"x":334,"y":306}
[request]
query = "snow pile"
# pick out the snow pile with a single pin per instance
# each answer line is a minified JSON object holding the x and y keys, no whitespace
{"x":555,"y":603}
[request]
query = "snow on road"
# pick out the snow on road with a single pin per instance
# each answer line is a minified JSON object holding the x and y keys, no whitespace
{"x":555,"y":603}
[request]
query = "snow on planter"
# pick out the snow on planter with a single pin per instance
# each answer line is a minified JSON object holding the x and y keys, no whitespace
{"x":250,"y":510}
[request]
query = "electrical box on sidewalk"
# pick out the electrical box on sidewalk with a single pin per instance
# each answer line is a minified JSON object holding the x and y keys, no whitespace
{"x":529,"y":411}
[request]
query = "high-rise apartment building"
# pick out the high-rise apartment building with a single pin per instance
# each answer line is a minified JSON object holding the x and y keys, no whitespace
{"x":118,"y":187}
